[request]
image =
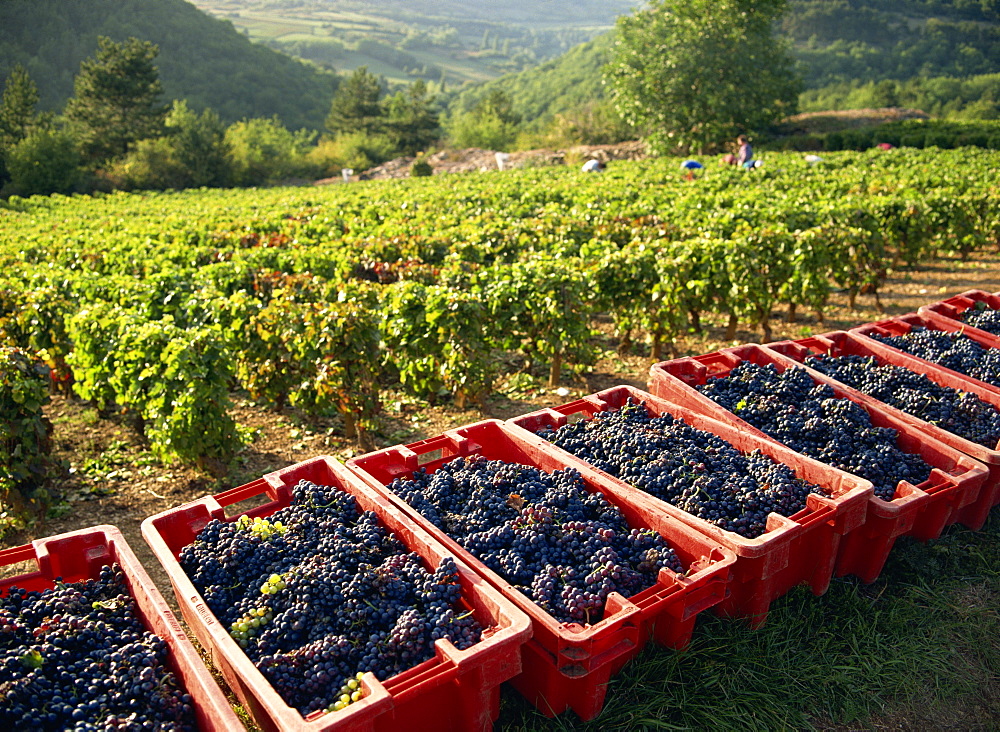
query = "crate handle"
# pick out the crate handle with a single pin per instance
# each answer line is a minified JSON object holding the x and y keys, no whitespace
{"x":18,"y":554}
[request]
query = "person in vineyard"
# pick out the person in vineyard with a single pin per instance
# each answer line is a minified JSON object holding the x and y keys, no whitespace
{"x":744,"y":156}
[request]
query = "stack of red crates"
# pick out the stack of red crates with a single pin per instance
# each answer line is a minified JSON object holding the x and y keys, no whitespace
{"x":920,"y":511}
{"x":78,"y":556}
{"x":561,"y":666}
{"x":842,"y":343}
{"x":940,"y":316}
{"x":568,"y":665}
{"x":799,"y":549}
{"x":455,"y":690}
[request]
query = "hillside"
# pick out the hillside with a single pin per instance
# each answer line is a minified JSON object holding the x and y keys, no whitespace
{"x":449,"y":42}
{"x":201,"y":59}
{"x":941,"y":56}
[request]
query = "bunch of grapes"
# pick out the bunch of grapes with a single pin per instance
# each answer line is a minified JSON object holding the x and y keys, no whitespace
{"x":955,"y":351}
{"x":77,"y":657}
{"x":563,"y":546}
{"x":793,"y":409}
{"x":983,"y":317}
{"x":958,"y":412}
{"x":692,"y":469}
{"x":321,"y":593}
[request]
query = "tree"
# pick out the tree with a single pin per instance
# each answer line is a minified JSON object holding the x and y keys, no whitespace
{"x":693,"y":73}
{"x":355,"y":106}
{"x":198,"y":141}
{"x":17,"y":114}
{"x":46,"y":161}
{"x":491,"y":124}
{"x":262,"y":151}
{"x":412,"y":123}
{"x":17,"y":108}
{"x":115,"y":99}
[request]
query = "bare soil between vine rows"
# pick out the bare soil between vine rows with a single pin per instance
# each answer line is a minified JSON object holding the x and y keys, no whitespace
{"x":108,"y":476}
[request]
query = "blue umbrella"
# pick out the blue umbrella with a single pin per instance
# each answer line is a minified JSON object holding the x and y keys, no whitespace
{"x":691,"y":165}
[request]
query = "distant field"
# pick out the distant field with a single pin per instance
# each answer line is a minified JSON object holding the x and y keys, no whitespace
{"x":454,"y":48}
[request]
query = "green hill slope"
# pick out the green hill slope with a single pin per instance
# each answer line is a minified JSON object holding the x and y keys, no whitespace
{"x":933,"y":53}
{"x":454,"y":41}
{"x":201,"y":59}
{"x":569,"y":82}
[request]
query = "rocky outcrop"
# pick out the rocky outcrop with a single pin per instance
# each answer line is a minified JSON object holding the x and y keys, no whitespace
{"x":476,"y":159}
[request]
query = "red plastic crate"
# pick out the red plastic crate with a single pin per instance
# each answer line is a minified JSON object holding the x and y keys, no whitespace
{"x":841,"y":343}
{"x":568,"y":665}
{"x":78,"y":556}
{"x":920,"y":511}
{"x":904,"y":323}
{"x":950,"y":311}
{"x":455,"y":690}
{"x":800,"y":549}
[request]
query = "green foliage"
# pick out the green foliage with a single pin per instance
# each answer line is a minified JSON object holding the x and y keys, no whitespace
{"x":624,"y":281}
{"x":25,"y":441}
{"x":115,"y":99}
{"x":438,"y":338}
{"x":759,"y":265}
{"x":263,"y":152}
{"x":955,"y":223}
{"x":858,"y":262}
{"x":318,"y":357}
{"x":838,"y":40}
{"x":693,"y":276}
{"x":562,"y":99}
{"x":201,"y":59}
{"x":452,"y":42}
{"x":359,"y":150}
{"x":199,"y":145}
{"x":193,"y":153}
{"x":17,"y":112}
{"x":355,"y":106}
{"x":46,"y":161}
{"x":486,"y":270}
{"x":544,"y":306}
{"x":149,"y":165}
{"x":592,"y":123}
{"x":369,"y":130}
{"x":918,"y":133}
{"x":491,"y":124}
{"x":33,"y":317}
{"x":411,"y":122}
{"x":421,"y":168}
{"x":172,"y":382}
{"x":692,"y":74}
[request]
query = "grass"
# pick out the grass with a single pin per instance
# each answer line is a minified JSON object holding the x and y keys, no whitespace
{"x":918,"y":648}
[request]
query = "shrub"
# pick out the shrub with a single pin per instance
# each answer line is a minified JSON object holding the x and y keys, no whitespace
{"x":172,"y":382}
{"x":149,"y":165}
{"x":421,"y":168}
{"x":25,"y":443}
{"x":46,"y":161}
{"x":361,"y":150}
{"x":263,"y":152}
